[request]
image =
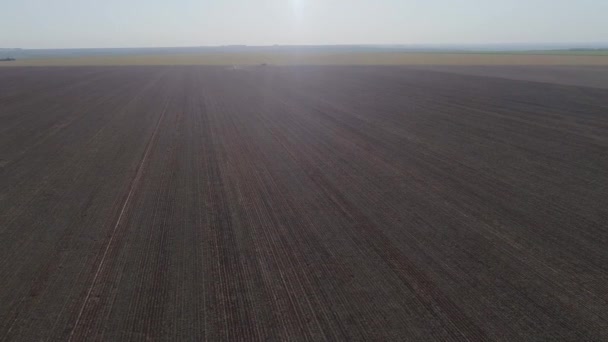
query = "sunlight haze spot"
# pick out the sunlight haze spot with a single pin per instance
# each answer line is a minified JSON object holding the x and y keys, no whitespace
{"x":153,"y":23}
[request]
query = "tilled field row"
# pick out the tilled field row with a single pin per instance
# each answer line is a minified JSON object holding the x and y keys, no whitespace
{"x":300,"y":203}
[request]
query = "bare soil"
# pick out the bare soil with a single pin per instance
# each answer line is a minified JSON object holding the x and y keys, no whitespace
{"x":577,"y":75}
{"x":300,"y":203}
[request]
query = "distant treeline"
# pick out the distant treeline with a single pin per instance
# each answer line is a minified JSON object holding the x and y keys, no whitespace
{"x":8,"y":59}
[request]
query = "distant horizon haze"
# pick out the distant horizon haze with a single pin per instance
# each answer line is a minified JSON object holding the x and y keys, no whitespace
{"x":599,"y":45}
{"x":78,"y":24}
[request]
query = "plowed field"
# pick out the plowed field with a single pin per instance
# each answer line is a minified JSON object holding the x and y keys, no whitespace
{"x":300,"y":203}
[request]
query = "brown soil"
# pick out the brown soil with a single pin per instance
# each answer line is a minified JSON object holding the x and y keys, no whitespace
{"x":303,"y":203}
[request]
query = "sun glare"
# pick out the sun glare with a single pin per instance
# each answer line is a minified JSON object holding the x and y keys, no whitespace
{"x":296,"y":6}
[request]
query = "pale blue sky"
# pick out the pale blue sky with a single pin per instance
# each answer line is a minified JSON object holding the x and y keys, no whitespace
{"x":149,"y":23}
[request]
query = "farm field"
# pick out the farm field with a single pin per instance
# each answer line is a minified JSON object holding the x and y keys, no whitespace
{"x":576,"y":75}
{"x":322,"y":57}
{"x":156,"y":203}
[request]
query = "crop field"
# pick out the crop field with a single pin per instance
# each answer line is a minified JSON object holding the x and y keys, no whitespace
{"x":357,"y":203}
{"x":320,"y":57}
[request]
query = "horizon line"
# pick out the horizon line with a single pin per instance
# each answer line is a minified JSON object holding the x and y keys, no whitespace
{"x":540,"y":46}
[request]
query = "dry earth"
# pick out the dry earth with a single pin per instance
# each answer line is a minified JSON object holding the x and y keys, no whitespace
{"x":300,"y":203}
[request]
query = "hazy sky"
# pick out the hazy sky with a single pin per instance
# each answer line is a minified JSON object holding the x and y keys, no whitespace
{"x":138,"y":23}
